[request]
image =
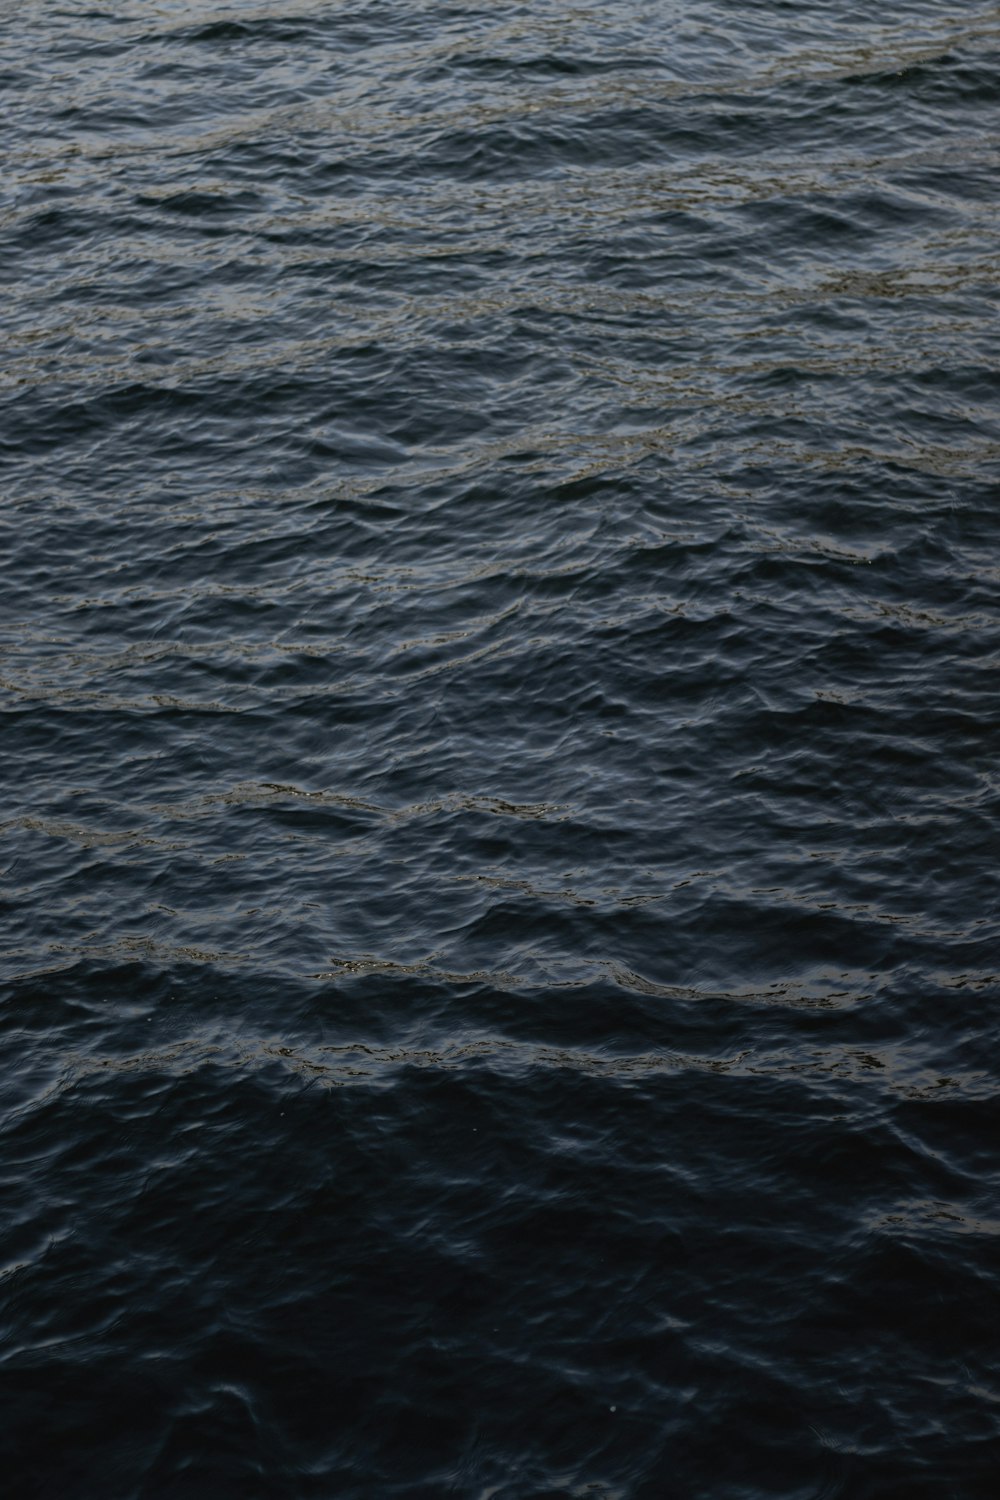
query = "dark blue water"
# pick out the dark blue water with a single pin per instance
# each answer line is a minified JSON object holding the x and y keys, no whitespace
{"x":498,"y":653}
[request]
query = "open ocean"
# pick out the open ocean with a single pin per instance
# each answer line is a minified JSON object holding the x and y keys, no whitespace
{"x":499,"y":628}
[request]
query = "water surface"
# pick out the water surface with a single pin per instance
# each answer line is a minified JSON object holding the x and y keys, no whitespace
{"x":497,"y":655}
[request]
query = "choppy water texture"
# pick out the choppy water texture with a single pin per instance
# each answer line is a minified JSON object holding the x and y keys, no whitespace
{"x":498,"y":625}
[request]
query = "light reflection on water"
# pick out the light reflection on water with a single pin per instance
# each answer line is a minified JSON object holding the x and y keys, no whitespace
{"x":496,"y":667}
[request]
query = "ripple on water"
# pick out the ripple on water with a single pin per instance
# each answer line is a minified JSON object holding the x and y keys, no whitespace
{"x":499,"y":928}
